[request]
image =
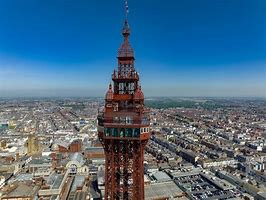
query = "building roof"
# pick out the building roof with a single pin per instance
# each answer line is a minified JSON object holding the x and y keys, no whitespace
{"x":162,"y":190}
{"x":24,"y":177}
{"x":262,"y":194}
{"x":77,"y":157}
{"x":94,"y":150}
{"x":78,"y":181}
{"x":161,"y":176}
{"x":62,"y":143}
{"x":80,"y":195}
{"x":22,"y":190}
{"x":57,"y":182}
{"x":39,"y":161}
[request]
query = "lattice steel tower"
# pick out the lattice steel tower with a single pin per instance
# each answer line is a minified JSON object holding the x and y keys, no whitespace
{"x":123,"y":128}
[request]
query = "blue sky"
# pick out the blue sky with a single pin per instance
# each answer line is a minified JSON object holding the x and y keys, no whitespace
{"x":182,"y":47}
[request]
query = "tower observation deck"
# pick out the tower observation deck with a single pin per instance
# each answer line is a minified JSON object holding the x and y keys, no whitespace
{"x":123,"y":128}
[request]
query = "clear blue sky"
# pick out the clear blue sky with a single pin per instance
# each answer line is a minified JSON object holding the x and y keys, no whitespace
{"x":182,"y":47}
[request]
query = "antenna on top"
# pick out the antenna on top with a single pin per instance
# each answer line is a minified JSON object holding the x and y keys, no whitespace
{"x":126,"y":9}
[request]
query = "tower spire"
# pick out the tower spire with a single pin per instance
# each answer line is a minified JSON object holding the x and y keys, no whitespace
{"x":126,"y":10}
{"x":126,"y":29}
{"x":125,"y":49}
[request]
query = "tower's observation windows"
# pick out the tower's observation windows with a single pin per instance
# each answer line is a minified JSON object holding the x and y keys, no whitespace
{"x":123,"y":120}
{"x":126,"y":88}
{"x":122,"y":132}
{"x":144,"y":130}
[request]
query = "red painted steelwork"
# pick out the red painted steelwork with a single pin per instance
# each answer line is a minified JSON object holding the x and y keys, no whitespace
{"x":123,"y":129}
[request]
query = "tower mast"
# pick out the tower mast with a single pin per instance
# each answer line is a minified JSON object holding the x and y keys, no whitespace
{"x":123,"y":127}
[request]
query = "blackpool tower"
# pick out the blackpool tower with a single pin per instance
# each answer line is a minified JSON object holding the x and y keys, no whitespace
{"x":123,"y":128}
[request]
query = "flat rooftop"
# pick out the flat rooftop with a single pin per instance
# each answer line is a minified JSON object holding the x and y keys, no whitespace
{"x":78,"y":181}
{"x":200,"y":187}
{"x":58,"y":181}
{"x":162,"y":190}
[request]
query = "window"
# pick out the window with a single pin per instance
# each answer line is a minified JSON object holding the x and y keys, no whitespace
{"x":129,"y":132}
{"x":128,"y":120}
{"x":144,"y":130}
{"x":116,"y":119}
{"x":136,"y":132}
{"x":145,"y":120}
{"x":122,"y":132}
{"x":122,"y":120}
{"x":108,"y":131}
{"x":115,"y":132}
